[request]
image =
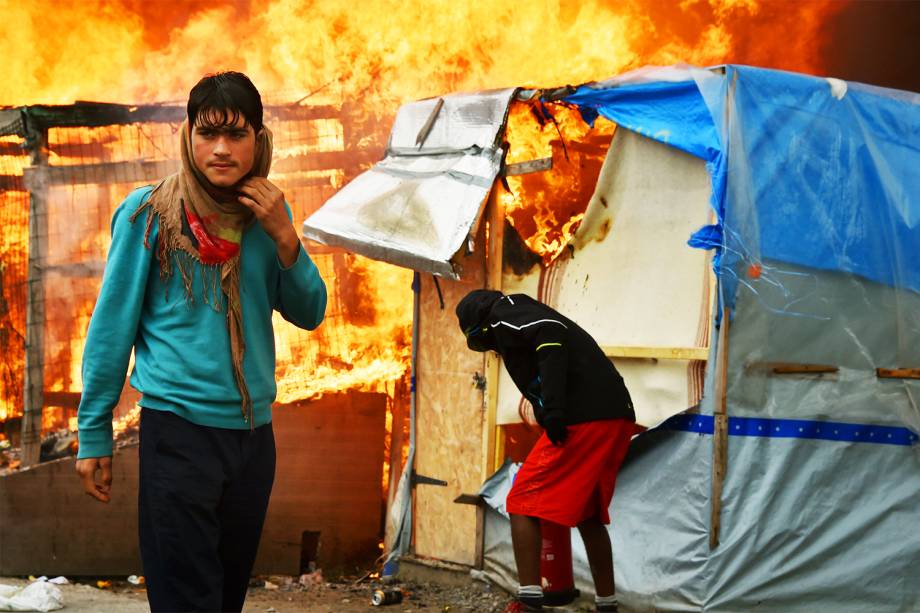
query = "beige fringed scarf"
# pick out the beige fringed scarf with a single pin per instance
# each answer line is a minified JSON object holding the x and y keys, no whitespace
{"x":201,"y":227}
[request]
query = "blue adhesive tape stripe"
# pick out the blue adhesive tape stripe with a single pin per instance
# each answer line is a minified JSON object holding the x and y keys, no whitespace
{"x":796,"y":428}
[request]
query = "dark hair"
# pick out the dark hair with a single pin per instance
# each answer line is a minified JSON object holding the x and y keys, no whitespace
{"x":221,"y":99}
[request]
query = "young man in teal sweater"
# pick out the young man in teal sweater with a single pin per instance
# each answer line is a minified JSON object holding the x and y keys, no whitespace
{"x":196,"y":267}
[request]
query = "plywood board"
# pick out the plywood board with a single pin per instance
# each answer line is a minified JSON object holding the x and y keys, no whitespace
{"x":450,"y":417}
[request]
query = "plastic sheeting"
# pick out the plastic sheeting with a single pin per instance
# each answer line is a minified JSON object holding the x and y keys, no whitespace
{"x":674,"y":105}
{"x":807,"y":156}
{"x":818,"y":202}
{"x":807,"y":525}
{"x":40,"y":595}
{"x":418,"y":206}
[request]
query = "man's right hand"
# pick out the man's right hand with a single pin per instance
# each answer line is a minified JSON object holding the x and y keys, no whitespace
{"x":87,"y":468}
{"x":556,"y":430}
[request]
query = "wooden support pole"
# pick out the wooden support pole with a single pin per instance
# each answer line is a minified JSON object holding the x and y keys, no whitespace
{"x":493,"y":442}
{"x":720,"y":433}
{"x":720,"y":406}
{"x":34,"y":373}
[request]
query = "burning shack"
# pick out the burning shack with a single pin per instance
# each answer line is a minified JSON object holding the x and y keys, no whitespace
{"x":739,"y":241}
{"x":341,"y":389}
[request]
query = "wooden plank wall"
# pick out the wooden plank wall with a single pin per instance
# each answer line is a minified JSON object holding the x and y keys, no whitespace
{"x":48,"y":526}
{"x":328,"y":480}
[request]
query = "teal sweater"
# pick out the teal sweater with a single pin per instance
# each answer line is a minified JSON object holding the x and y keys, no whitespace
{"x":182,"y":349}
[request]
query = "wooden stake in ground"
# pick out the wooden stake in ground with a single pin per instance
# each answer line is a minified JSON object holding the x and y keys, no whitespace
{"x":720,"y":432}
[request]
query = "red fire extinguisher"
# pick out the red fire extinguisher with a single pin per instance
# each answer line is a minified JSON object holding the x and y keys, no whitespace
{"x":556,"y":564}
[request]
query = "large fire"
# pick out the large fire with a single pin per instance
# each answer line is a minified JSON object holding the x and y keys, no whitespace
{"x":366,"y":59}
{"x":382,"y":52}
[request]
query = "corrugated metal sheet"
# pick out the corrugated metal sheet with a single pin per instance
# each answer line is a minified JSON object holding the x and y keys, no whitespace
{"x":418,"y":205}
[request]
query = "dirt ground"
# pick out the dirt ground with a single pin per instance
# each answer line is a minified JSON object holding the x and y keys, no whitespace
{"x":278,"y":594}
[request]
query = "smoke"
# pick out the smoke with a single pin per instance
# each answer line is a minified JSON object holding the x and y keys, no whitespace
{"x":875,"y":42}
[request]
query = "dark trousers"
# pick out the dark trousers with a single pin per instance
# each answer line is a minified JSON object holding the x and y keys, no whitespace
{"x":203,"y":494}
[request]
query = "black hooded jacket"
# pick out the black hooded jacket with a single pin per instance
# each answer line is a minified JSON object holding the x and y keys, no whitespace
{"x":554,"y":362}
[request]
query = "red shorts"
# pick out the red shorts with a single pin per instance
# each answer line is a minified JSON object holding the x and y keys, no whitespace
{"x":574,"y":482}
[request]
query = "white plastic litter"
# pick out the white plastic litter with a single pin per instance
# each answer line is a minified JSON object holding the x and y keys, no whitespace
{"x":60,"y":580}
{"x":40,"y":595}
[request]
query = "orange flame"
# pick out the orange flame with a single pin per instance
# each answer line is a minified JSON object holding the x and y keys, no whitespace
{"x":546,"y":207}
{"x":132,"y":51}
{"x":371,"y":57}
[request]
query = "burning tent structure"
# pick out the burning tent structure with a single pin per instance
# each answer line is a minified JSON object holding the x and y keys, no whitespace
{"x":63,"y":170}
{"x":775,"y":357}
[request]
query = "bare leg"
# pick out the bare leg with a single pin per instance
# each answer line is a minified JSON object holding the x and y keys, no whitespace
{"x":600,"y":556}
{"x":527,"y":542}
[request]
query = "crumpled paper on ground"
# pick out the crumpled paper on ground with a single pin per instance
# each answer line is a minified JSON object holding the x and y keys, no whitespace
{"x":39,"y":595}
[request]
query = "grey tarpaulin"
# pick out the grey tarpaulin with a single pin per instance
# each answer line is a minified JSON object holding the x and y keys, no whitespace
{"x":792,"y":539}
{"x":809,"y":522}
{"x":417,"y":207}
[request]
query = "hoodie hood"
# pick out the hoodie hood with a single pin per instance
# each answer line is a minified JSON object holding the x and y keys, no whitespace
{"x":473,"y":312}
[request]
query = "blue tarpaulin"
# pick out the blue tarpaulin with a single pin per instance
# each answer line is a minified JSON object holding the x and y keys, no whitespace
{"x":808,"y":171}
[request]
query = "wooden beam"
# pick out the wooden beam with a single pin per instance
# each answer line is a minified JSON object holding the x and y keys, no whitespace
{"x":480,"y":504}
{"x":89,"y":269}
{"x":792,"y":368}
{"x":656,"y":353}
{"x":68,"y":400}
{"x":498,"y":456}
{"x":12,"y":149}
{"x":473,"y":499}
{"x":897,"y":373}
{"x":492,"y":434}
{"x":429,"y":124}
{"x":324,"y":160}
{"x":89,"y":114}
{"x":12,"y":183}
{"x":300,"y":181}
{"x":720,"y":433}
{"x":479,"y":557}
{"x":524,"y":168}
{"x":720,"y":407}
{"x":135,"y":171}
{"x":719,"y":462}
{"x":294,"y":112}
{"x":107,"y":173}
{"x":34,"y":371}
{"x":802,"y":369}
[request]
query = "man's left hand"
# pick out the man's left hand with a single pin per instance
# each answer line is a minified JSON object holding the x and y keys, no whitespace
{"x":266,"y":202}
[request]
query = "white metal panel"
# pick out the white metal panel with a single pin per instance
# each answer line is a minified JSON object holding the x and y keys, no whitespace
{"x":417,"y":207}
